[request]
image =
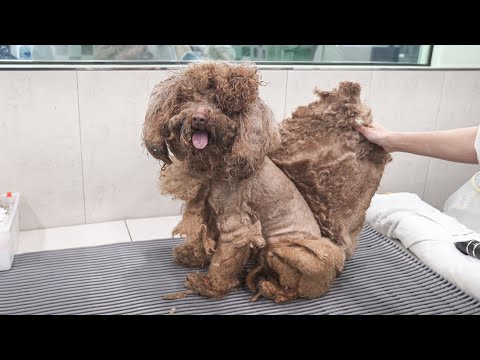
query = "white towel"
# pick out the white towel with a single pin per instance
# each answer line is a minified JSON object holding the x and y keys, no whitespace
{"x":429,"y":234}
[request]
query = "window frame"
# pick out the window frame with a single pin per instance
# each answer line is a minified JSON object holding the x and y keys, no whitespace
{"x":174,"y":63}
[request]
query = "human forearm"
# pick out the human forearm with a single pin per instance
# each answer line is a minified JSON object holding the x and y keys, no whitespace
{"x":452,"y":145}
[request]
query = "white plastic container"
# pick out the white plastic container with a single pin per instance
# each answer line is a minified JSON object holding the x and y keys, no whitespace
{"x":464,"y":204}
{"x":9,"y":231}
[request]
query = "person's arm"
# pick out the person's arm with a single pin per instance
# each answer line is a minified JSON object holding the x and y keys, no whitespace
{"x":453,"y":145}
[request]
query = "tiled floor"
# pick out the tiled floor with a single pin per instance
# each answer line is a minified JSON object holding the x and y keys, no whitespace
{"x":96,"y":234}
{"x":152,"y":228}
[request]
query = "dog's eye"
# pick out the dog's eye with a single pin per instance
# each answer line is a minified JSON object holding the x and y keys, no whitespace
{"x":180,"y":122}
{"x":176,"y":123}
{"x":229,"y":112}
{"x":210,"y":84}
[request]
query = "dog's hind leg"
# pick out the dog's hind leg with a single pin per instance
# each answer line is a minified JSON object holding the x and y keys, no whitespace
{"x":300,"y":269}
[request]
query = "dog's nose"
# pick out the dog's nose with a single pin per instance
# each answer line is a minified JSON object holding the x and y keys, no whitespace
{"x":199,"y":118}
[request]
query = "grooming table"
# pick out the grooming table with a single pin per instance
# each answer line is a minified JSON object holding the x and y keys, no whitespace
{"x":131,"y":278}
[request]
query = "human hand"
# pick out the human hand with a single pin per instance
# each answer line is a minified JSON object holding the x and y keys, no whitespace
{"x":377,"y":134}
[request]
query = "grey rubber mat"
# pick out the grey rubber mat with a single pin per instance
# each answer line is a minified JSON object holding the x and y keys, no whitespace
{"x":130,"y":278}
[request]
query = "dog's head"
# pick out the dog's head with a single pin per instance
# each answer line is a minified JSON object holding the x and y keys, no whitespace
{"x":210,"y":117}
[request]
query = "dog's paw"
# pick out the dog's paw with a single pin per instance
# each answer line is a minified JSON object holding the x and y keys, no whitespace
{"x":272,"y":291}
{"x":209,"y":245}
{"x":207,"y":242}
{"x":257,"y":242}
{"x":191,"y":254}
{"x":179,"y":229}
{"x":201,"y":284}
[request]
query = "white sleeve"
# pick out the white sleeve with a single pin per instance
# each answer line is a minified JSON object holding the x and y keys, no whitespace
{"x":477,"y":144}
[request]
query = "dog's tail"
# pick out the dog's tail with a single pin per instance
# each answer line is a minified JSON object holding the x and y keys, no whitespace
{"x":335,"y":168}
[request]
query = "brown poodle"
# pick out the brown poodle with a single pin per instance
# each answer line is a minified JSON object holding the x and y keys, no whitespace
{"x":211,"y":130}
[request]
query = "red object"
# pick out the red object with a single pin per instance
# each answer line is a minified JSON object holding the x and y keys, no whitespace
{"x":9,"y":194}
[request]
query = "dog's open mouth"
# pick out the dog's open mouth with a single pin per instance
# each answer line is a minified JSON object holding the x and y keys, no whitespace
{"x":200,"y":139}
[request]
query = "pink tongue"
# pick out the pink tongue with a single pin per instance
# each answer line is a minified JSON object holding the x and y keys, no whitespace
{"x":200,"y":139}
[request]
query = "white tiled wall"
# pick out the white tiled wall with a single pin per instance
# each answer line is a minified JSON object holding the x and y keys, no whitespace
{"x":40,"y":146}
{"x":273,"y":91}
{"x":120,"y":181}
{"x":406,"y":101}
{"x":70,"y":140}
{"x":460,"y":107}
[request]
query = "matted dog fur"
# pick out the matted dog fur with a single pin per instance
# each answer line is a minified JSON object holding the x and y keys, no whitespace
{"x":292,"y":198}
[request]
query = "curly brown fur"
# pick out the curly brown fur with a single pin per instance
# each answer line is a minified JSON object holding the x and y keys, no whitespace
{"x":196,"y":225}
{"x":212,"y":132}
{"x":301,"y":268}
{"x":336,"y":169}
{"x":240,"y":130}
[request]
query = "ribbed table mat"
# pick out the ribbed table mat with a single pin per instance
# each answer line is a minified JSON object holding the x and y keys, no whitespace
{"x":131,"y":278}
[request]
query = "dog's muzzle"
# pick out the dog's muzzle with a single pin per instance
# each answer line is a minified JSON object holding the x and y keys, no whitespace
{"x":200,"y":135}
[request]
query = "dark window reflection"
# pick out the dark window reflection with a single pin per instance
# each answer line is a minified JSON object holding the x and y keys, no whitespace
{"x":362,"y":54}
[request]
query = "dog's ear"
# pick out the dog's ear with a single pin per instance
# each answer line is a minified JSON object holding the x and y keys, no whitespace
{"x":236,"y":86}
{"x":156,"y":120}
{"x":257,"y":135}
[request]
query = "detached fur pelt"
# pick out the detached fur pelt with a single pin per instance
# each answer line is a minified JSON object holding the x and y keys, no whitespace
{"x":335,"y":168}
{"x":295,"y":213}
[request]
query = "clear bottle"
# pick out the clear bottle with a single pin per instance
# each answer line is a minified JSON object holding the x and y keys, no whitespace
{"x":7,"y":201}
{"x":3,"y":213}
{"x":5,"y":206}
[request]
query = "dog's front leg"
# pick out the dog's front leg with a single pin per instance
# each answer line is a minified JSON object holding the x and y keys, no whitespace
{"x":238,"y":237}
{"x":198,"y":247}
